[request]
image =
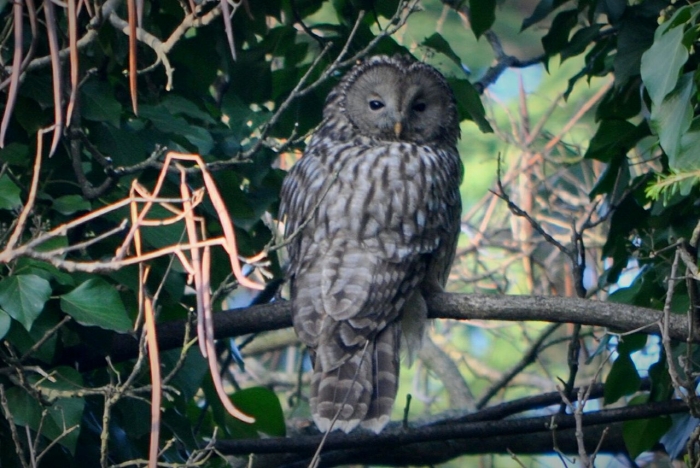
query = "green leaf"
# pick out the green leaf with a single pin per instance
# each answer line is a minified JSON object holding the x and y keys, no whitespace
{"x":558,"y":36}
{"x":15,"y":153}
{"x":5,"y":322}
{"x":52,"y":243}
{"x":124,"y":147}
{"x":70,"y":204}
{"x":683,"y":15}
{"x":96,"y":302}
{"x":264,"y":406}
{"x":671,"y":118}
{"x":131,"y":418}
{"x":200,"y":138}
{"x":614,"y":9}
{"x":662,"y":63}
{"x":625,"y":220}
{"x":181,"y":106}
{"x":166,"y":122}
{"x":163,"y":120}
{"x":661,"y":384}
{"x":469,"y":104}
{"x":482,"y":14}
{"x":638,"y":293}
{"x":542,"y":10}
{"x":189,"y":377}
{"x":631,"y":343}
{"x":62,"y":414}
{"x":438,"y":43}
{"x":622,"y":380}
{"x":386,"y":8}
{"x":38,"y":88}
{"x":9,"y":194}
{"x":614,"y":137}
{"x":44,"y":270}
{"x":642,"y":434}
{"x":241,"y":119}
{"x":614,"y":179}
{"x":23,"y":297}
{"x":688,"y":156}
{"x":30,"y":116}
{"x":620,"y":103}
{"x":635,"y":37}
{"x":97,"y":103}
{"x":580,"y":41}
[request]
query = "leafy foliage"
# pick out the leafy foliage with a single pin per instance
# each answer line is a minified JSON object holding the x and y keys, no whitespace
{"x":248,"y":119}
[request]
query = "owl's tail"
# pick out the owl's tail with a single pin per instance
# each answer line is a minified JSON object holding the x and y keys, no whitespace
{"x":360,"y":391}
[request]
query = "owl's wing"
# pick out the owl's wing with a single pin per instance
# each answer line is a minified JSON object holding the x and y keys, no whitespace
{"x":303,"y":191}
{"x":379,"y":217}
{"x":346,"y":296}
{"x":379,"y":221}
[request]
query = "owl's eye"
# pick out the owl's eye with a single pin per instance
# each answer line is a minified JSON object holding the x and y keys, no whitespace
{"x":420,"y":107}
{"x":375,"y":105}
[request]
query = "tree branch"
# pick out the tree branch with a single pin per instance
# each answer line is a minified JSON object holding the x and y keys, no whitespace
{"x":397,"y":447}
{"x":237,"y":322}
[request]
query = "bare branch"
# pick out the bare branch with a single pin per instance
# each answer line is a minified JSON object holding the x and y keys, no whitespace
{"x":402,"y":440}
{"x":277,"y":315}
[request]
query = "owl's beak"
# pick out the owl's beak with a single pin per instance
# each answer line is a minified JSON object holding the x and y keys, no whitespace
{"x":398,"y":127}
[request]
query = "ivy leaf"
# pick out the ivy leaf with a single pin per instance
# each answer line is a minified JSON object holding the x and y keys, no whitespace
{"x":15,"y":153}
{"x":667,"y":49}
{"x":661,"y":385}
{"x":96,"y":302}
{"x":482,"y":15}
{"x":23,"y":297}
{"x":9,"y":194}
{"x":622,"y":380}
{"x":26,"y":265}
{"x":97,"y":103}
{"x":167,"y":123}
{"x":264,"y":406}
{"x":631,"y":343}
{"x":124,"y":147}
{"x":179,"y":105}
{"x":642,"y":434}
{"x":188,"y":378}
{"x":69,"y":204}
{"x":63,"y":413}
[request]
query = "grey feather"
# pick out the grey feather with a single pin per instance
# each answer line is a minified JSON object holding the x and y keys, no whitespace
{"x":385,"y":185}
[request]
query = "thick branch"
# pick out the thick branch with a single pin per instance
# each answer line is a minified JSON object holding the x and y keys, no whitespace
{"x":236,"y":322}
{"x":397,"y":447}
{"x":440,"y":451}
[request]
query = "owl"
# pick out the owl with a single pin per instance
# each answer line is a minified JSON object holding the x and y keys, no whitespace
{"x":372,"y":217}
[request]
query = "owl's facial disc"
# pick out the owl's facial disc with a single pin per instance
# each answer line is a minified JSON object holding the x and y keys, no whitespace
{"x":372,"y":102}
{"x":390,"y":105}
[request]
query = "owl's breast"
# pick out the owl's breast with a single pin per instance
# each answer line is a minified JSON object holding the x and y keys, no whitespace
{"x":385,"y":196}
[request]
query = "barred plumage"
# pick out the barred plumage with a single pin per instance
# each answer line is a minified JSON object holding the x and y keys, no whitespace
{"x":379,"y":187}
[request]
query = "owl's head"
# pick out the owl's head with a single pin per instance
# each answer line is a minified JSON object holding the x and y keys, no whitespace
{"x":398,"y":99}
